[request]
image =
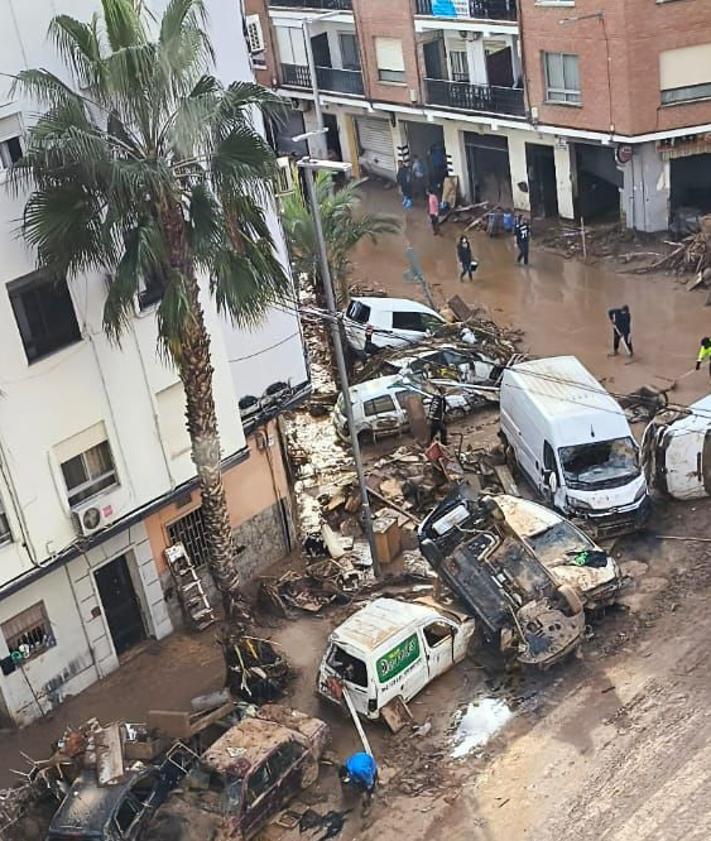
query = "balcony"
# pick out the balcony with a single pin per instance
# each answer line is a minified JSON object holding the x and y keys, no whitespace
{"x":321,"y":5}
{"x":329,"y":79}
{"x":475,"y":9}
{"x":484,"y":98}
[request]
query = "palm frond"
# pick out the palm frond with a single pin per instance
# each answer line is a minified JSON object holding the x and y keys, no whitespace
{"x":123,"y":25}
{"x":78,"y":43}
{"x":44,"y":87}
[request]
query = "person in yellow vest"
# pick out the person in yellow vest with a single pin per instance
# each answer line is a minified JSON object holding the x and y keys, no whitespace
{"x":704,"y":353}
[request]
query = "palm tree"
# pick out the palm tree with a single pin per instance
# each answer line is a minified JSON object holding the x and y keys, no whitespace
{"x":344,"y":226}
{"x":146,"y":167}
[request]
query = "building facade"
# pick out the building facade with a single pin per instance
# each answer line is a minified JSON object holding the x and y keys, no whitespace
{"x":557,"y":107}
{"x":96,"y":477}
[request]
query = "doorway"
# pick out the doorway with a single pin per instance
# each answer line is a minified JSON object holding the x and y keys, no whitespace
{"x":321,"y":50}
{"x":540,"y":164}
{"x":434,"y":65}
{"x":333,"y":140}
{"x":489,"y":171}
{"x":120,"y":604}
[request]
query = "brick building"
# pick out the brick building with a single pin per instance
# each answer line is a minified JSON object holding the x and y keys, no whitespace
{"x":569,"y":107}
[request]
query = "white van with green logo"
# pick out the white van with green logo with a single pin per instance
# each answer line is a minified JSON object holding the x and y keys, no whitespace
{"x":391,"y":648}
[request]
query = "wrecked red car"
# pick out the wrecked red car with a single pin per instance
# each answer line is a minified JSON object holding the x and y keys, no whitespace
{"x":245,"y":778}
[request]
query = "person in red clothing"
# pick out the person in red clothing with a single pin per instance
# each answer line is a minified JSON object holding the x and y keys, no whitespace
{"x":433,"y":211}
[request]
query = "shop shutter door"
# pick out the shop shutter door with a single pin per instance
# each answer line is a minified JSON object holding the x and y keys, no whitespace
{"x":376,"y":143}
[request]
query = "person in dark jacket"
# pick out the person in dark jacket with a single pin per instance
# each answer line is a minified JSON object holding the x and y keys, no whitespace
{"x":436,"y":415}
{"x":522,"y":232}
{"x":404,"y":182}
{"x":621,"y":328}
{"x":464,"y":255}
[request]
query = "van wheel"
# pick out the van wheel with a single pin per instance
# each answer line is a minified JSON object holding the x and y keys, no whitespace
{"x":309,"y":774}
{"x":570,"y":596}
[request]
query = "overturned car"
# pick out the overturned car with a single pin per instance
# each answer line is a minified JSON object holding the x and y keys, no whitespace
{"x":523,"y":570}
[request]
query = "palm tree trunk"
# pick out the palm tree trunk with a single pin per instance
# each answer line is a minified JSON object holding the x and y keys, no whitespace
{"x":196,"y":372}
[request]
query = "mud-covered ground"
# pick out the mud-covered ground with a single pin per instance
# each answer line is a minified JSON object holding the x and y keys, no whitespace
{"x":612,"y":745}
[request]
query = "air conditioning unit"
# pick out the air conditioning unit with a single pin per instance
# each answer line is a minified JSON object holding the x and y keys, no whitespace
{"x":92,"y":517}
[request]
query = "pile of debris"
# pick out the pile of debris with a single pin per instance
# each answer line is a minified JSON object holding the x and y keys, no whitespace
{"x":322,"y":583}
{"x":644,"y":403}
{"x":256,"y":671}
{"x":691,"y":255}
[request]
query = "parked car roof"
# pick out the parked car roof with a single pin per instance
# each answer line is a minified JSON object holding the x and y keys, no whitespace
{"x":397,"y":303}
{"x":88,"y":806}
{"x":380,"y":385}
{"x":377,"y":622}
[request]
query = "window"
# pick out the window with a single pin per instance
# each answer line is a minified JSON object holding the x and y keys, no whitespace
{"x":358,"y":312}
{"x":438,"y":632}
{"x":260,"y":782}
{"x":89,"y":473}
{"x":284,"y":757}
{"x":350,"y":668}
{"x":562,"y":77}
{"x":379,"y":405}
{"x":150,"y":290}
{"x":190,"y":531}
{"x":5,"y":533}
{"x":44,"y":314}
{"x":10,"y":152}
{"x":29,"y":633}
{"x":391,"y":64}
{"x":349,"y":51}
{"x":291,"y":46}
{"x":460,"y":66}
{"x":685,"y":74}
{"x":408,"y":321}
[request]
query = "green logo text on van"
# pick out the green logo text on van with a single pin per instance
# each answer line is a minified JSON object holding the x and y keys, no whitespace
{"x":396,"y":660}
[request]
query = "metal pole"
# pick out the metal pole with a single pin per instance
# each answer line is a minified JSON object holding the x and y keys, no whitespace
{"x":341,"y":362}
{"x":320,"y":150}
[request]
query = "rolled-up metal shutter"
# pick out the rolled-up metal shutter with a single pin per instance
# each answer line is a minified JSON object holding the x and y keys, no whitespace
{"x":376,"y":145}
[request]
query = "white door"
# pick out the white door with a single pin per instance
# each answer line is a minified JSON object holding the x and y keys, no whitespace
{"x":439,"y":646}
{"x":376,"y":145}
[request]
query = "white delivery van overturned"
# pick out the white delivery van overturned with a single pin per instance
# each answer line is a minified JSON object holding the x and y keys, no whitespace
{"x":572,"y":441}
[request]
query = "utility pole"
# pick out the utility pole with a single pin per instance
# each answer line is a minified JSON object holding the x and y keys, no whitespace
{"x":309,"y":165}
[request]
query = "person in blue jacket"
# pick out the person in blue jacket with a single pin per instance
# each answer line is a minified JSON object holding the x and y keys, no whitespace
{"x":360,"y":771}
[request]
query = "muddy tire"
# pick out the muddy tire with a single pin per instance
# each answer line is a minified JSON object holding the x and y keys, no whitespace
{"x":309,"y":774}
{"x":570,"y":597}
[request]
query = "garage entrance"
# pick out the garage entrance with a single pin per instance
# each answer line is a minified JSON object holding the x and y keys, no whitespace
{"x":543,"y":192}
{"x":376,"y":150}
{"x":120,"y":604}
{"x":690,"y":178}
{"x":599,"y":182}
{"x":488,"y":165}
{"x":426,"y":141}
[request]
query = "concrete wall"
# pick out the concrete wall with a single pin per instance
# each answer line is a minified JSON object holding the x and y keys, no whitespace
{"x":645,"y":195}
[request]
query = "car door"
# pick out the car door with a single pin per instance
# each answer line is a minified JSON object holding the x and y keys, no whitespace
{"x":260,"y":797}
{"x":439,"y":646}
{"x":128,"y":819}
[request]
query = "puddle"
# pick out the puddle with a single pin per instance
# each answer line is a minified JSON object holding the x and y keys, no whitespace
{"x":477,"y":723}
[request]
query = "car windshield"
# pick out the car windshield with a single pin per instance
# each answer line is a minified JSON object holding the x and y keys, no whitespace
{"x":602,"y":464}
{"x":558,"y":541}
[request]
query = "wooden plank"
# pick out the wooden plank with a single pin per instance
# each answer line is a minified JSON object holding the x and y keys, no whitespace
{"x":506,"y":479}
{"x":175,"y":724}
{"x":109,"y":754}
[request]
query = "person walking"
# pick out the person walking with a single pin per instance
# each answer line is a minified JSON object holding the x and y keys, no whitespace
{"x":360,"y":772}
{"x":522,"y":232}
{"x":419,"y":178}
{"x":621,"y":328}
{"x":704,"y":353}
{"x":464,"y":255}
{"x":436,"y":415}
{"x":404,"y":182}
{"x":433,"y":211}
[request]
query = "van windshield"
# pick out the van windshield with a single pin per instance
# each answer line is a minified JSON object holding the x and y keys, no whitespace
{"x":601,"y":464}
{"x":347,"y":666}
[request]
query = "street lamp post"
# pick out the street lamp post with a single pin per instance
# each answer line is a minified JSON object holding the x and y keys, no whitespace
{"x":309,"y":165}
{"x":319,"y":148}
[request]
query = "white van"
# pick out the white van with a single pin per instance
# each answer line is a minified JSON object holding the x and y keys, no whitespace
{"x":391,"y":648}
{"x":379,"y":406}
{"x":682,"y":453}
{"x":573,"y":443}
{"x":396,"y":322}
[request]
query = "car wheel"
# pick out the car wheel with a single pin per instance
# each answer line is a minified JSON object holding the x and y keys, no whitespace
{"x":572,"y":599}
{"x":309,"y":774}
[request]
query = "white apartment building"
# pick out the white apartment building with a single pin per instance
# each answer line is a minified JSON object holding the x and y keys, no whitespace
{"x":96,"y":477}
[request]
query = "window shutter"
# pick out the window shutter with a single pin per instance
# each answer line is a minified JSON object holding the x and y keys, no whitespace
{"x":389,"y":56}
{"x":685,"y":67}
{"x":254,"y":34}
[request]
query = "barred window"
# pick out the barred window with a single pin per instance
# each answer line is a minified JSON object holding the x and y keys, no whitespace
{"x":29,"y":633}
{"x":190,"y":531}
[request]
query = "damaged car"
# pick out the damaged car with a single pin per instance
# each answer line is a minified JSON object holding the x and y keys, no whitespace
{"x":391,"y":649}
{"x":446,"y":362}
{"x":245,"y":778}
{"x":525,"y":572}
